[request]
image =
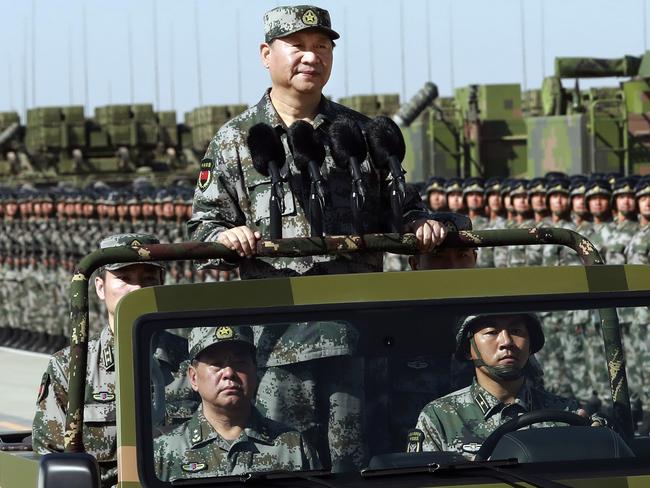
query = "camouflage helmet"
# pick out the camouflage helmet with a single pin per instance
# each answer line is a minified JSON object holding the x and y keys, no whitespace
{"x":286,"y":20}
{"x":598,"y":187}
{"x":464,"y":332}
{"x":203,"y":337}
{"x":133,"y":240}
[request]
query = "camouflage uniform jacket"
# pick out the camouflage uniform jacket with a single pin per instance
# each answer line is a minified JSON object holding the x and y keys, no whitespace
{"x":559,"y":255}
{"x":637,"y":250}
{"x":600,"y":236}
{"x":621,"y":235}
{"x":195,"y":449}
{"x":484,"y":255}
{"x":235,"y":194}
{"x":462,"y":420}
{"x":99,"y":432}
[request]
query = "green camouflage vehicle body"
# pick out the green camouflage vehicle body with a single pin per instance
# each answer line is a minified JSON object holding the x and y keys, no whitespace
{"x":504,"y":286}
{"x":119,"y":142}
{"x":495,"y":130}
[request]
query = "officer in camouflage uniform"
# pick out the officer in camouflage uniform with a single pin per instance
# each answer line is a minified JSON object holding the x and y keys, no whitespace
{"x":518,"y":255}
{"x":474,"y":197}
{"x":537,"y":201}
{"x":454,"y":193}
{"x":501,"y":253}
{"x":302,"y":382}
{"x":563,"y":356}
{"x":227,"y":435}
{"x":637,"y":351}
{"x":99,"y":433}
{"x":625,"y":224}
{"x":500,"y":347}
{"x":435,"y":194}
{"x":598,"y":195}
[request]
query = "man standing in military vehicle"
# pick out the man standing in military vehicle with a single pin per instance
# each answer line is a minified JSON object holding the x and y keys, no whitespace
{"x":227,"y":435}
{"x":231,"y":206}
{"x":112,"y":283}
{"x":500,"y":346}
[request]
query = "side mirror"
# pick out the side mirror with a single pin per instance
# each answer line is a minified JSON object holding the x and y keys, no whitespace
{"x":69,"y":469}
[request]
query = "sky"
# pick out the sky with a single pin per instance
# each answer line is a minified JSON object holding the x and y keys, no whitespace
{"x":387,"y":46}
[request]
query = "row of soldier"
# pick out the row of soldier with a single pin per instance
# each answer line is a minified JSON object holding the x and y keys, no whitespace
{"x":46,"y":232}
{"x":613,"y":213}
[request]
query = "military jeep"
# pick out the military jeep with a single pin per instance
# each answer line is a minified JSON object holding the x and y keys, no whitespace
{"x":406,"y":320}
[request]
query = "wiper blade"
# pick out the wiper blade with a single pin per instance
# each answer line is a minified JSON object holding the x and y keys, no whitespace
{"x":496,"y":467}
{"x":253,"y":477}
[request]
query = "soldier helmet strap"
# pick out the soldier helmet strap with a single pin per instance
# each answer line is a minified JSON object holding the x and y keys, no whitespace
{"x":505,"y":372}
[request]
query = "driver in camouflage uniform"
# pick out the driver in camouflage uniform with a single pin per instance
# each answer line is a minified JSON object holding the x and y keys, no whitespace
{"x":500,"y":347}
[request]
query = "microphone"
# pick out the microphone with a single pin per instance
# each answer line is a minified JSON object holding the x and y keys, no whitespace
{"x":308,"y":155}
{"x":268,"y":156}
{"x":349,"y":149}
{"x":387,"y":150}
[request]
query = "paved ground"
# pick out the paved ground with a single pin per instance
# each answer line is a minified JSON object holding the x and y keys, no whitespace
{"x":21,"y":376}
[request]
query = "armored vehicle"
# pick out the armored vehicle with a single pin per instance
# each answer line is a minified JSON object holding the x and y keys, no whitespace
{"x":405,"y":319}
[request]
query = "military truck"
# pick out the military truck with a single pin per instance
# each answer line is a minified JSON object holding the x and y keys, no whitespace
{"x":496,"y":130}
{"x":62,"y":144}
{"x":407,"y":318}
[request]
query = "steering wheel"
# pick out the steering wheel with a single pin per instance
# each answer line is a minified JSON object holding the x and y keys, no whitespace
{"x":535,"y":417}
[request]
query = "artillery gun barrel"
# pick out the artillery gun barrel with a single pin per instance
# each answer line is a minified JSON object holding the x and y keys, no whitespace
{"x":410,"y":110}
{"x":8,"y":133}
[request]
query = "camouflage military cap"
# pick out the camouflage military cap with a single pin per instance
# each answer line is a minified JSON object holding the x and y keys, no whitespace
{"x":133,"y":240}
{"x":612,"y":177}
{"x":435,"y":183}
{"x":473,"y":185}
{"x":623,"y":186}
{"x":203,"y":337}
{"x":493,"y":185}
{"x":289,"y":19}
{"x":451,"y":220}
{"x":598,"y":187}
{"x":519,"y":188}
{"x":465,"y":332}
{"x":577,"y":188}
{"x":506,"y":186}
{"x":537,"y":185}
{"x":454,"y":185}
{"x":642,"y":188}
{"x":555,"y":175}
{"x":560,"y":185}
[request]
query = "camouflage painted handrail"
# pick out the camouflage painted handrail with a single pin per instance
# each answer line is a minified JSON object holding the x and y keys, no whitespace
{"x":293,"y":247}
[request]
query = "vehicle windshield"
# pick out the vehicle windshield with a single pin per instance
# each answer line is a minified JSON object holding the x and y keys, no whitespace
{"x":345,"y":388}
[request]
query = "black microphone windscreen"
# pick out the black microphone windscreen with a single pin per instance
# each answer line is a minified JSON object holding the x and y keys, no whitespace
{"x":265,"y":145}
{"x":385,"y":139}
{"x":305,"y":145}
{"x":346,"y":141}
